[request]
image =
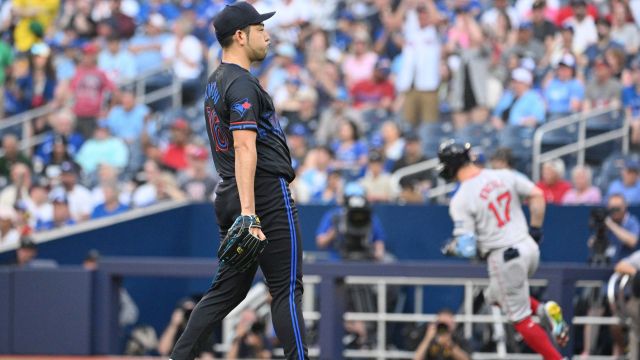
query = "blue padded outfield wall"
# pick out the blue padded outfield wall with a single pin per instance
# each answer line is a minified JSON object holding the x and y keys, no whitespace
{"x":413,"y":233}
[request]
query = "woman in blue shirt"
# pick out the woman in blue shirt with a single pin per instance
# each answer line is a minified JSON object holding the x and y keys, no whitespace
{"x":350,"y":152}
{"x":519,"y":106}
{"x":564,"y":93}
{"x":38,"y":86}
{"x":631,"y":102}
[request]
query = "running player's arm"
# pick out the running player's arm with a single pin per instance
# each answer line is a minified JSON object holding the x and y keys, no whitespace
{"x":535,"y":196}
{"x":463,"y":220}
{"x":242,"y":100}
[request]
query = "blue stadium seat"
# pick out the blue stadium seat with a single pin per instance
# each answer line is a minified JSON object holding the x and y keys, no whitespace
{"x":432,"y":134}
{"x":609,"y":171}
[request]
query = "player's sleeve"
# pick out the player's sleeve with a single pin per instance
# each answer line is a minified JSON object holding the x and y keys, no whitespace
{"x":376,"y":229}
{"x":326,"y":222}
{"x":243,"y":101}
{"x":522,"y":184}
{"x":463,"y":221}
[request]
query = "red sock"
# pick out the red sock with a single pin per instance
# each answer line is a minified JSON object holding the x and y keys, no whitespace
{"x":537,"y":339}
{"x":534,"y":304}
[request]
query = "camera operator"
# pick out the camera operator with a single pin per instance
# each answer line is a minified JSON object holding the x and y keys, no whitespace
{"x":177,"y":325}
{"x":442,"y":342}
{"x":622,"y":233}
{"x":251,"y":340}
{"x":352,"y":231}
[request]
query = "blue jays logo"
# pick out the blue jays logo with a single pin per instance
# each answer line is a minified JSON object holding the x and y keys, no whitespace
{"x":218,"y":133}
{"x":241,"y":107}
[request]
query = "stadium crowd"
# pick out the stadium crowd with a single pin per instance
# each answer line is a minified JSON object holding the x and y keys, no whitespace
{"x":363,"y":88}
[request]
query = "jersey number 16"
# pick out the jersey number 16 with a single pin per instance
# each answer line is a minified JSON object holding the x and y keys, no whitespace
{"x":500,"y":208}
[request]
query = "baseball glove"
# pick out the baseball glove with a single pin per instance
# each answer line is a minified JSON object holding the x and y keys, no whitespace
{"x":240,"y":248}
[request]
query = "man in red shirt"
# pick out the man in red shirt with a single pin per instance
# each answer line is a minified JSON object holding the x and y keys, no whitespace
{"x":175,"y":155}
{"x":553,"y":183}
{"x":377,"y":92}
{"x":89,"y":86}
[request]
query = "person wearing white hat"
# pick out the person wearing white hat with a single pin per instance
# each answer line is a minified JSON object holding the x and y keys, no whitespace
{"x":519,"y":105}
{"x":563,"y":93}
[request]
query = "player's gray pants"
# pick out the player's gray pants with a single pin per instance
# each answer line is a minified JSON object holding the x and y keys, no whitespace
{"x":509,"y":278}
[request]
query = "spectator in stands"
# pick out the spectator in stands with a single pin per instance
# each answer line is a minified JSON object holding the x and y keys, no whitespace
{"x":282,"y":67}
{"x":561,"y":46}
{"x":624,"y":229}
{"x":563,"y":93}
{"x":412,"y":186}
{"x":9,"y":235}
{"x":122,"y":24}
{"x":6,"y":59}
{"x":520,"y":105}
{"x":350,"y":152}
{"x":333,"y":230}
{"x":147,"y":47}
{"x":174,"y":155}
{"x":553,"y":183}
{"x":77,"y":197}
{"x":377,"y":92}
{"x":332,"y":194}
{"x":584,"y":27}
{"x":38,"y":85}
{"x":38,"y":205}
{"x":250,"y":339}
{"x":502,"y":158}
{"x":196,"y":180}
{"x":598,"y":49}
{"x":158,"y":186}
{"x":59,"y":154}
{"x":376,"y":182}
{"x":297,"y":140}
{"x":33,"y":19}
{"x":628,"y":185}
{"x":543,"y":29}
{"x":469,"y":66}
{"x":419,"y":75}
{"x":393,"y":143}
{"x":108,"y":174}
{"x":183,"y":51}
{"x":623,"y":31}
{"x":339,"y":110}
{"x":111,"y":205}
{"x":89,"y":86}
{"x":102,"y":148}
{"x":168,"y":10}
{"x":442,"y":341}
{"x":61,"y":215}
{"x":19,"y":187}
{"x":526,"y":45}
{"x":315,"y":173}
{"x":11,"y":155}
{"x":116,"y":61}
{"x":360,"y":62}
{"x":583,"y":192}
{"x":631,"y":102}
{"x":304,"y":111}
{"x":127,"y":119}
{"x":602,"y":90}
{"x":490,"y":16}
{"x":76,"y":15}
{"x":62,"y":133}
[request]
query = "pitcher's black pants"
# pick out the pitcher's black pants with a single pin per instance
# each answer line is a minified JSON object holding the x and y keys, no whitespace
{"x":281,"y":264}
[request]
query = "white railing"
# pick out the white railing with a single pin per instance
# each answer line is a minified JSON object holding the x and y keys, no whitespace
{"x":578,"y":147}
{"x":174,"y":90}
{"x":257,"y":299}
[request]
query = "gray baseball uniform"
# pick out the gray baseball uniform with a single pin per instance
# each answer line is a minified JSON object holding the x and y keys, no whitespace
{"x":488,"y":205}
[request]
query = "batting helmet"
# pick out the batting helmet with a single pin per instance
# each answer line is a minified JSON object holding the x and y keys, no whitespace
{"x":452,"y":157}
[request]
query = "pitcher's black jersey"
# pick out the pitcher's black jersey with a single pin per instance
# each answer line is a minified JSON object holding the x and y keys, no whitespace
{"x":235,"y":100}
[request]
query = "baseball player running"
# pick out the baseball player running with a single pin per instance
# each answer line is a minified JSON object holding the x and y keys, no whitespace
{"x":489,"y":222}
{"x":251,"y":155}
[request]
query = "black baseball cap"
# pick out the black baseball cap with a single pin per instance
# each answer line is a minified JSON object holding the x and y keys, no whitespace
{"x":237,"y":16}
